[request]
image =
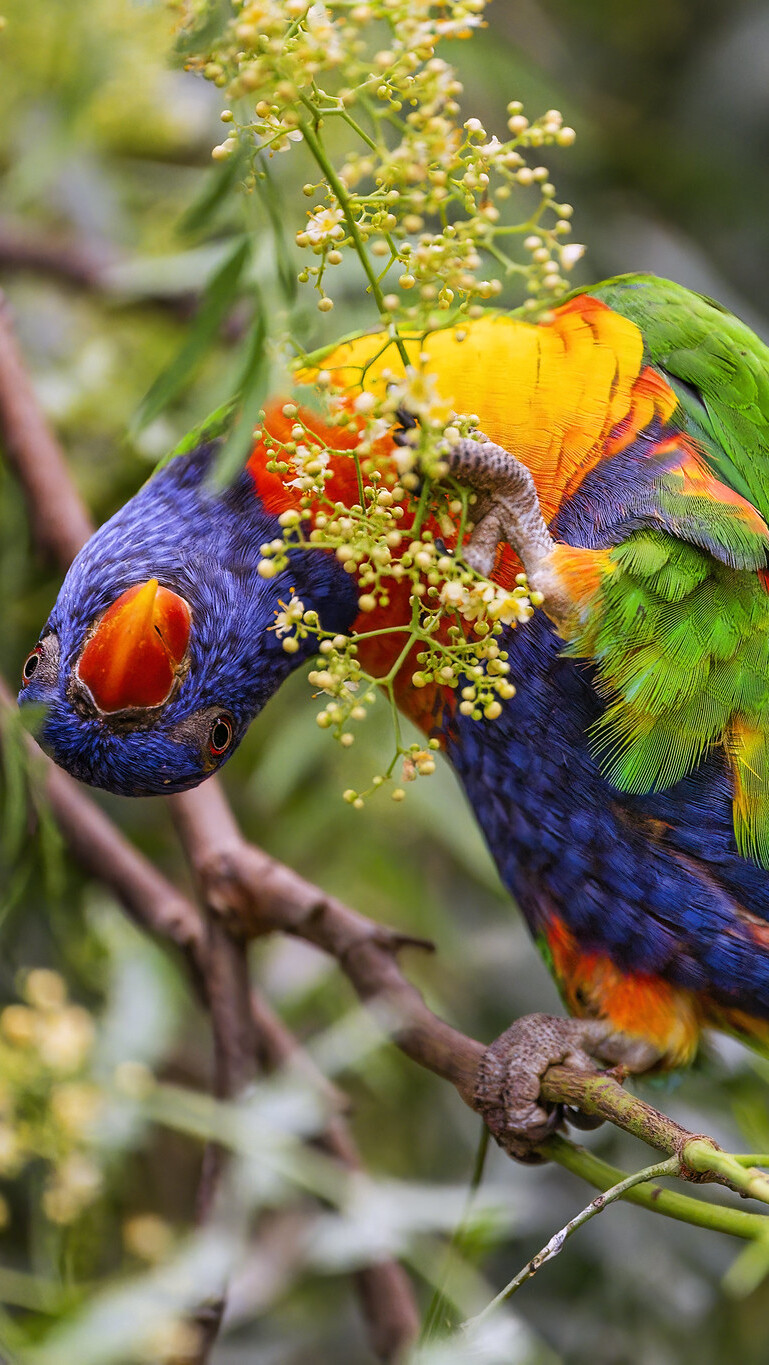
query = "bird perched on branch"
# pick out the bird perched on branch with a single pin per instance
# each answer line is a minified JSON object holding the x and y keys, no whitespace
{"x":622,"y":460}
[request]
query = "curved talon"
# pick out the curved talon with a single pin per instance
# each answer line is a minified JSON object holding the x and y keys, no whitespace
{"x":507,"y":509}
{"x":507,"y":1091}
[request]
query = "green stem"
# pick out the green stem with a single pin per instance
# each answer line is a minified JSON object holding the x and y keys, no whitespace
{"x":440,"y":1297}
{"x":422,"y":506}
{"x":399,"y":662}
{"x":359,"y":476}
{"x":698,"y":1212}
{"x":702,"y":1156}
{"x":343,"y":199}
{"x":372,"y":635}
{"x":510,"y":267}
{"x":670,"y":1167}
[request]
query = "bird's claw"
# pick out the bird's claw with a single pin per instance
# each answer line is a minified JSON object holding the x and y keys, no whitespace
{"x":507,"y":504}
{"x":509,"y":1077}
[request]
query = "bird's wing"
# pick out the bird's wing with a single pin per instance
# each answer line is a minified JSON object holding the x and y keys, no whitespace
{"x":678,"y":626}
{"x":680,"y":641}
{"x":717,"y":367}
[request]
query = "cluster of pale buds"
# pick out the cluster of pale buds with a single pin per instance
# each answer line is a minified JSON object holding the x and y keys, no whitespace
{"x":488,"y":601}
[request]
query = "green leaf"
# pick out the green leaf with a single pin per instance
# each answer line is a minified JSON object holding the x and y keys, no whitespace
{"x":216,"y":424}
{"x":201,"y":36}
{"x":251,"y":389}
{"x":15,"y":804}
{"x":265,"y":188}
{"x":216,"y":190}
{"x":217,"y":300}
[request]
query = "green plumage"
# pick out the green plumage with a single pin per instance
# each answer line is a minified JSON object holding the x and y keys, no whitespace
{"x":680,"y":628}
{"x":718,"y":368}
{"x":681,"y":643}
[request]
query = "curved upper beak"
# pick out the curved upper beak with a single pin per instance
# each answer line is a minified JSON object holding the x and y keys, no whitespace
{"x":133,"y":657}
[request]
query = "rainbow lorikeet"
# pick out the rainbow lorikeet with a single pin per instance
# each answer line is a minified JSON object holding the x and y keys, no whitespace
{"x":624,"y":790}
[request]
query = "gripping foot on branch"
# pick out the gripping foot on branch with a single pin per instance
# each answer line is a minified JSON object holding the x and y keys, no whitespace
{"x":507,"y":509}
{"x":507,"y":1093}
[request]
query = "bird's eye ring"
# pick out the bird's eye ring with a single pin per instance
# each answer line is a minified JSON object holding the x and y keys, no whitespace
{"x":31,"y":665}
{"x":220,"y":735}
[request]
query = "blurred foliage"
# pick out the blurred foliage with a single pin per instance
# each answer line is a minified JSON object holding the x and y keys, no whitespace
{"x":102,"y":144}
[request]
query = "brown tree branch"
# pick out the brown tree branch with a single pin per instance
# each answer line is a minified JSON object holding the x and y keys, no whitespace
{"x":243,"y":883}
{"x":243,"y":1026}
{"x":60,"y":522}
{"x":25,"y":248}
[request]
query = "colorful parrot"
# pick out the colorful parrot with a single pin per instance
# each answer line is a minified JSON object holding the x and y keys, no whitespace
{"x":624,"y":791}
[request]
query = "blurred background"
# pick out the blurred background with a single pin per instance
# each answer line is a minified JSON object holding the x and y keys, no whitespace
{"x":104,"y":148}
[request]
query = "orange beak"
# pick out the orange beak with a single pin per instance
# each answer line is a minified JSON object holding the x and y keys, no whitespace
{"x":134,"y":654}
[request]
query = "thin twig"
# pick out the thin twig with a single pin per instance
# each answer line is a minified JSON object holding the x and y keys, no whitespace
{"x":557,"y":1242}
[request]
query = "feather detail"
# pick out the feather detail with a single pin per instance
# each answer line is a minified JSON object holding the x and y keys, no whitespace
{"x":637,"y":1004}
{"x":681,"y":647}
{"x":552,"y":392}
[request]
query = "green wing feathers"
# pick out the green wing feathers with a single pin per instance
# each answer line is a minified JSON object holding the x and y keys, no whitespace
{"x":681,"y":644}
{"x":718,"y":368}
{"x":679,"y":630}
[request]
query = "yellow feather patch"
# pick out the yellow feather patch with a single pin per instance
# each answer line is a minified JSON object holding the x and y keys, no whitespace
{"x":748,"y":749}
{"x":551,"y":393}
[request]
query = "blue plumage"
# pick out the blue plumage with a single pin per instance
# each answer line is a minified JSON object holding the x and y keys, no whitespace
{"x":204,"y":545}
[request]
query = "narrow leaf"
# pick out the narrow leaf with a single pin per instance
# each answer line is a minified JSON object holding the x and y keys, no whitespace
{"x":252,"y":390}
{"x":217,"y":300}
{"x":216,"y":188}
{"x":268,"y":194}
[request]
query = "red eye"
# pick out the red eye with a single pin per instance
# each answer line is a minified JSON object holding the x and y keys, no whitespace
{"x":220,"y":737}
{"x":30,"y":665}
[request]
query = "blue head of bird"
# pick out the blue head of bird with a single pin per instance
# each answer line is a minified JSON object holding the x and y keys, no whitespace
{"x":161,"y":646}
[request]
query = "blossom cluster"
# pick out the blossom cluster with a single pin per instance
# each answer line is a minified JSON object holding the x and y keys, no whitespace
{"x":444,"y":217}
{"x":443,"y":622}
{"x":48,"y":1103}
{"x":433,"y":205}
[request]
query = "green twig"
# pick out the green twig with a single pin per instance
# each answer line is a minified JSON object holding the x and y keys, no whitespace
{"x":439,"y":1298}
{"x":343,"y":199}
{"x":698,"y":1212}
{"x":702,"y":1156}
{"x":671,"y":1166}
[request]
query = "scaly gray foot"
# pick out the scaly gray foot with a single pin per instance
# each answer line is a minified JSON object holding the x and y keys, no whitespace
{"x":507,"y":509}
{"x":509,"y":1077}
